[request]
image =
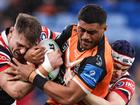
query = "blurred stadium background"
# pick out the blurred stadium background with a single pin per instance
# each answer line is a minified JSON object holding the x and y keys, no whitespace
{"x":123,"y":23}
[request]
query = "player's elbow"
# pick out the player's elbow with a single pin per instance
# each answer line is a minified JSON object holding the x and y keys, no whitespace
{"x":68,"y":101}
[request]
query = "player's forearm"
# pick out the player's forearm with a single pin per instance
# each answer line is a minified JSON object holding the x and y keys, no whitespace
{"x":112,"y":99}
{"x":17,"y":89}
{"x":66,"y":95}
{"x":91,"y":99}
{"x":61,"y":94}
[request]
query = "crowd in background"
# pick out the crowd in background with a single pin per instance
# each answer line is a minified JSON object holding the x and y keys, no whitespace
{"x":123,"y":23}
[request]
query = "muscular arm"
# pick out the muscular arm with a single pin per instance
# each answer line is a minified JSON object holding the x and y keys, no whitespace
{"x":16,"y":89}
{"x":112,"y":99}
{"x":66,"y":95}
{"x":120,"y":94}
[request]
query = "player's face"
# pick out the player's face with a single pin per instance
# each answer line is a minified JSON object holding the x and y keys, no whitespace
{"x":18,"y":45}
{"x":119,"y":70}
{"x":89,"y":34}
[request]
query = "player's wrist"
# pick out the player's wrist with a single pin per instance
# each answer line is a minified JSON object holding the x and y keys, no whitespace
{"x":32,"y":76}
{"x":43,"y":73}
{"x":39,"y":81}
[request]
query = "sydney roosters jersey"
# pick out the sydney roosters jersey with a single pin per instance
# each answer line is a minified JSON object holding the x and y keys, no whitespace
{"x":5,"y":54}
{"x":124,"y":87}
{"x":47,"y":33}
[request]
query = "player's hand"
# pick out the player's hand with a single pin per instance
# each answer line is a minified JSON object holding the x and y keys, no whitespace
{"x":14,"y":75}
{"x":55,"y":58}
{"x":52,"y":60}
{"x":24,"y":70}
{"x":35,"y":55}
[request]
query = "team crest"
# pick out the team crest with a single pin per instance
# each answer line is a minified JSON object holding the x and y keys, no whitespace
{"x":120,"y":84}
{"x":43,"y":36}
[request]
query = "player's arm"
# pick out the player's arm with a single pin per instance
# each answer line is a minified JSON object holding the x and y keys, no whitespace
{"x":120,"y":94}
{"x":112,"y":99}
{"x":61,"y":40}
{"x":81,"y":84}
{"x":70,"y":94}
{"x":67,"y":95}
{"x":16,"y":89}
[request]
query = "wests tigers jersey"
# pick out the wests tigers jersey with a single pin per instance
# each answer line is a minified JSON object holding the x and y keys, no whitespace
{"x":92,"y":68}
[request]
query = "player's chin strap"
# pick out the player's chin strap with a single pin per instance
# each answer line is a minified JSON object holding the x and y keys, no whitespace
{"x":122,"y":58}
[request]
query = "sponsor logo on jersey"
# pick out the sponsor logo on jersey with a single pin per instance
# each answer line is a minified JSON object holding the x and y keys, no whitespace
{"x":92,"y":72}
{"x":130,"y":85}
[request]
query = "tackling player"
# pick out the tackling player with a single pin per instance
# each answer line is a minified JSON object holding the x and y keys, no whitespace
{"x":122,"y":86}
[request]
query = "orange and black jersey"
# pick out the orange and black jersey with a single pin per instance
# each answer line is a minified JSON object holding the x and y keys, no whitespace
{"x":62,"y":39}
{"x":92,"y":68}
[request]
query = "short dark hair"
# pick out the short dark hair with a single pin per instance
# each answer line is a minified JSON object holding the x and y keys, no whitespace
{"x":123,"y":47}
{"x":92,"y":13}
{"x":29,"y":26}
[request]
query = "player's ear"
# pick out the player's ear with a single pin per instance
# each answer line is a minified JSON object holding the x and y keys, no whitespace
{"x":103,"y":27}
{"x":11,"y":29}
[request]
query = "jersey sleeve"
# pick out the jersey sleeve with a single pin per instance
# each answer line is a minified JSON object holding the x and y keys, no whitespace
{"x":47,"y":33}
{"x":61,"y":40}
{"x":124,"y":87}
{"x":89,"y":75}
{"x":5,"y":57}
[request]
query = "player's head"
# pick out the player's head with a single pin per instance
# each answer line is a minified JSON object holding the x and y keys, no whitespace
{"x":123,"y":55}
{"x":23,"y":35}
{"x":91,"y":25}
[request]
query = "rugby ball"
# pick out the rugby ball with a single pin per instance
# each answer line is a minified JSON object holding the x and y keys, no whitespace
{"x":50,"y":45}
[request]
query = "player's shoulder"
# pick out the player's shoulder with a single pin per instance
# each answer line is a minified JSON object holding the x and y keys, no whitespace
{"x":126,"y":77}
{"x":46,"y":33}
{"x":125,"y":82}
{"x":69,"y":27}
